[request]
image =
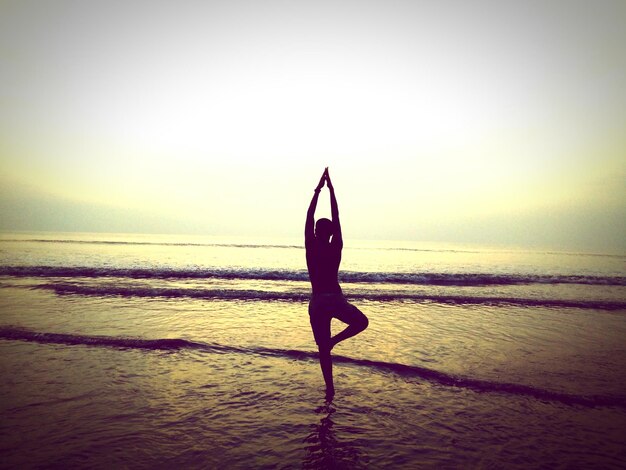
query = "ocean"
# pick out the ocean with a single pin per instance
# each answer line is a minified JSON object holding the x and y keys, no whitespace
{"x":148,"y":351}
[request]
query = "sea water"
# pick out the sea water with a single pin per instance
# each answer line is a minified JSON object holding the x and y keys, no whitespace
{"x":150,"y":351}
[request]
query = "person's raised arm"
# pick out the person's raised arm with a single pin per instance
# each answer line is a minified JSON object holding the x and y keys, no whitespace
{"x":334,"y":211}
{"x":309,"y":226}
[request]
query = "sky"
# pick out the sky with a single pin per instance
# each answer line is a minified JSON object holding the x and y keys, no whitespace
{"x":491,"y":122}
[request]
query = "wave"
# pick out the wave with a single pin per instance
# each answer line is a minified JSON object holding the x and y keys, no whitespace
{"x":252,"y":295}
{"x":145,"y":243}
{"x":442,"y":378}
{"x":432,"y":279}
{"x":300,"y":246}
{"x":228,"y":245}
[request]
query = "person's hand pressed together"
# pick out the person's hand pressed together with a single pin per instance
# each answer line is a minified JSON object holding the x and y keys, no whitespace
{"x":328,"y":182}
{"x":320,"y":185}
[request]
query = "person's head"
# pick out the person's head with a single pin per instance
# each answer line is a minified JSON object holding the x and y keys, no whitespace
{"x":324,"y":228}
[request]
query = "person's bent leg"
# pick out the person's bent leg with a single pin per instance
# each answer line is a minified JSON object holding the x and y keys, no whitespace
{"x":356,"y":321}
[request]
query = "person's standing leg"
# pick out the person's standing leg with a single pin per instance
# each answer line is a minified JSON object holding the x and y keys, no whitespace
{"x":320,"y":324}
{"x":326,"y":363}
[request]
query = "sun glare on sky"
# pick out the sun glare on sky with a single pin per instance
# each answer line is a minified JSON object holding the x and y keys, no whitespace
{"x":495,"y":122}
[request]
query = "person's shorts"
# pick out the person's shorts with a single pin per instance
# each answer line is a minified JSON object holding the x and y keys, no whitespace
{"x":324,"y":307}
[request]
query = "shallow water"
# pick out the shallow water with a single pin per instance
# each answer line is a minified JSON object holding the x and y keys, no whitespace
{"x":476,"y":357}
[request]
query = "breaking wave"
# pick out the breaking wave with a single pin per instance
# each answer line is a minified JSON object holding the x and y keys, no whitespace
{"x":256,"y":295}
{"x":409,"y":371}
{"x":431,"y":279}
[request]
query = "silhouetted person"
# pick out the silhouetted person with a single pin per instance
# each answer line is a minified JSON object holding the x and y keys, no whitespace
{"x":323,"y":256}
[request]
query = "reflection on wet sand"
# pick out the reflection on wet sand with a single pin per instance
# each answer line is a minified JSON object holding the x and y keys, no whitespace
{"x":323,"y":450}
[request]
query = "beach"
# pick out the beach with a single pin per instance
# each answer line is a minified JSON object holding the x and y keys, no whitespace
{"x":150,"y":351}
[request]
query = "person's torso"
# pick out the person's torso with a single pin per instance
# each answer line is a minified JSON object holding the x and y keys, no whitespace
{"x":323,"y":263}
